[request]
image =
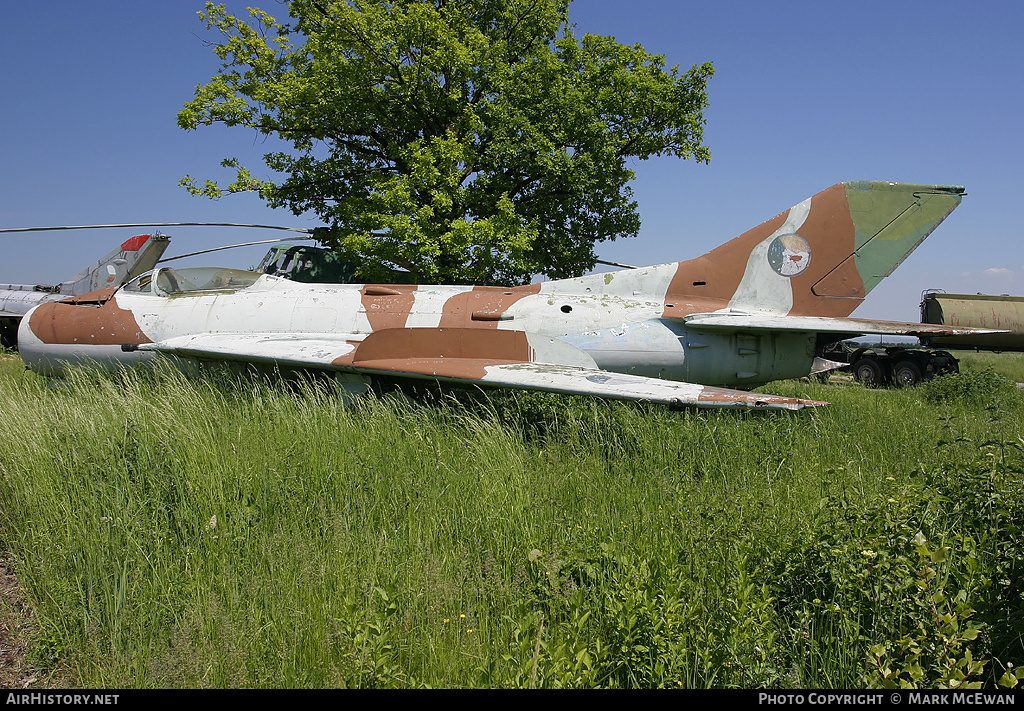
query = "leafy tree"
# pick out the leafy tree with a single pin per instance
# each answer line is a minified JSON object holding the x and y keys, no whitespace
{"x":464,"y":140}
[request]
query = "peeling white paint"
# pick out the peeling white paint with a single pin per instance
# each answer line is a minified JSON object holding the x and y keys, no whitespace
{"x":762,"y":288}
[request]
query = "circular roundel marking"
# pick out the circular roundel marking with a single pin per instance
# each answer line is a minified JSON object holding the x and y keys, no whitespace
{"x":789,"y":255}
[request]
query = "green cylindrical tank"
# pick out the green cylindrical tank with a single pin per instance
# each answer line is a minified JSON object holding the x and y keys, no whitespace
{"x":1005,"y":313}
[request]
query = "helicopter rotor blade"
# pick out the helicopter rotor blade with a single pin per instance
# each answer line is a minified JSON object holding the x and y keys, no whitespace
{"x":301,"y":230}
{"x":156,"y":224}
{"x":232,"y":246}
{"x":614,"y":264}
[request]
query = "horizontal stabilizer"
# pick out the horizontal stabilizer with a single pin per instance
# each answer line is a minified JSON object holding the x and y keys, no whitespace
{"x":737,"y":321}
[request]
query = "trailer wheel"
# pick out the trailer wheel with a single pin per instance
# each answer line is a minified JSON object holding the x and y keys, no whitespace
{"x":906,"y":373}
{"x":870,"y":372}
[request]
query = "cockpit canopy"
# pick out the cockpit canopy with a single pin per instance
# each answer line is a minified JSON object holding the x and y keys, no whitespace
{"x":172,"y":282}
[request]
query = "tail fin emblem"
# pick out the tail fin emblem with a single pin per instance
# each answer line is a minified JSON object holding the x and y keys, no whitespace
{"x":789,"y":254}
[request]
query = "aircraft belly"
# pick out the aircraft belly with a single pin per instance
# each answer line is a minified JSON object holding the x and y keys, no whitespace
{"x":745,"y":359}
{"x":650,"y":348}
{"x":55,"y":358}
{"x":664,"y":348}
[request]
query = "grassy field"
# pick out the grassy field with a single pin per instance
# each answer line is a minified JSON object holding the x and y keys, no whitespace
{"x":174,"y":533}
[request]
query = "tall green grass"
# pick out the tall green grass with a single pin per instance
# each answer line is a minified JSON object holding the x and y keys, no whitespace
{"x":1007,"y":365}
{"x":171,"y":532}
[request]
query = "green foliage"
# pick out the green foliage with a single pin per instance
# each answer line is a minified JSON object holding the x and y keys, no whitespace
{"x":465,"y":140}
{"x":985,"y":497}
{"x":616,"y":619}
{"x":1009,"y":365}
{"x":935,"y":651}
{"x":980,"y":387}
{"x":939,"y":609}
{"x":249,"y":533}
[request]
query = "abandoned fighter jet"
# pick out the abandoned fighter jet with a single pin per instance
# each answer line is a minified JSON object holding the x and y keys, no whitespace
{"x":749,"y":312}
{"x":134,"y":256}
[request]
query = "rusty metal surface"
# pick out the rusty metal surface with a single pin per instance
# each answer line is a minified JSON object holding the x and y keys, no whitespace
{"x":975,"y":311}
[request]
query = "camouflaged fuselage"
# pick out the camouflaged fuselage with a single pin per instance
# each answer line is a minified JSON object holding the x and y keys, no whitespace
{"x":743,"y":314}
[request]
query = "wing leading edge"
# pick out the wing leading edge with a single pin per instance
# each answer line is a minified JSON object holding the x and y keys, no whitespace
{"x":514,"y":359}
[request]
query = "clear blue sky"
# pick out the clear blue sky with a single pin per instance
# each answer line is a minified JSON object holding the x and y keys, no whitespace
{"x":806,"y":94}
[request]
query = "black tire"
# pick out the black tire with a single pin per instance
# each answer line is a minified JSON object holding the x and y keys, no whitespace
{"x":870,"y":372}
{"x":906,"y":374}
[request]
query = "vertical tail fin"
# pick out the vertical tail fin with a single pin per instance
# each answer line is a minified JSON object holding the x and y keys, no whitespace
{"x":822,"y":256}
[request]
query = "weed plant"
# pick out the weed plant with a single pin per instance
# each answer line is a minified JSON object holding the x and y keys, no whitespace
{"x":256,"y":533}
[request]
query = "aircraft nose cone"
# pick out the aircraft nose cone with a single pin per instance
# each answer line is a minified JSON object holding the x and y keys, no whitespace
{"x":25,"y":333}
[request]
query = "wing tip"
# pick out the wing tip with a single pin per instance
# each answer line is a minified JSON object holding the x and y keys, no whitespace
{"x":720,"y":397}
